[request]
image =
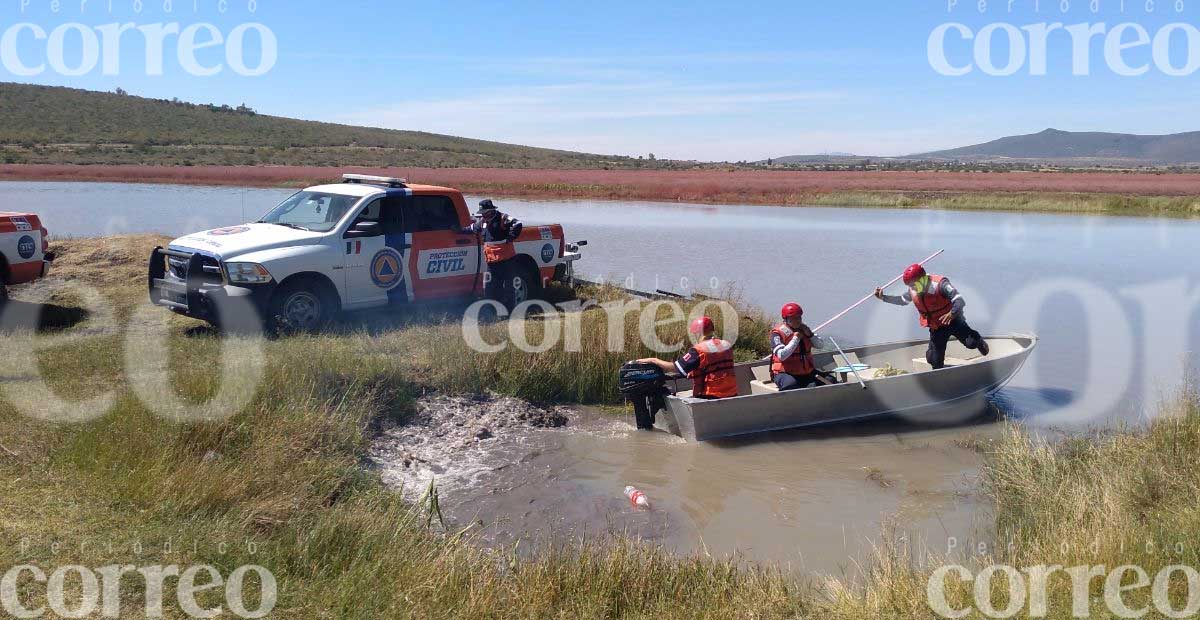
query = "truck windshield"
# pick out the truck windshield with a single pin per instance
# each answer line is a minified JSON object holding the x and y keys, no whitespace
{"x":314,"y":211}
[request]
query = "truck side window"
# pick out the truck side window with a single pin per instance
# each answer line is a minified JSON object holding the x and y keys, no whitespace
{"x":431,"y":213}
{"x":371,"y":212}
{"x":393,"y":216}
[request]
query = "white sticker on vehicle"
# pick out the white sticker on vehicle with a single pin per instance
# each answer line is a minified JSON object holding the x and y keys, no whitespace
{"x":446,"y":263}
{"x":547,"y":233}
{"x":21,"y":223}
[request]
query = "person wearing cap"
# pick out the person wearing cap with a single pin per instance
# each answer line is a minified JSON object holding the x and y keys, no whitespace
{"x":792,"y":364}
{"x":708,"y":363}
{"x":940,"y":307}
{"x":497,"y":231}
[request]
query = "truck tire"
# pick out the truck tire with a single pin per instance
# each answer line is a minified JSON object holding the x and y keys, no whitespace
{"x":521,"y":283}
{"x":302,"y":305}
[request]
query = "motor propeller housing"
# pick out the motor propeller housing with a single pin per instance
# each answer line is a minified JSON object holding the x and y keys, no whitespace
{"x":644,"y":385}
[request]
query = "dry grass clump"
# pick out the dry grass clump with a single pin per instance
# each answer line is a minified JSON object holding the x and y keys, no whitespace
{"x":890,"y":371}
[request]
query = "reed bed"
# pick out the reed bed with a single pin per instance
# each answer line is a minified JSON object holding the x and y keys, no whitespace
{"x":1117,"y":193}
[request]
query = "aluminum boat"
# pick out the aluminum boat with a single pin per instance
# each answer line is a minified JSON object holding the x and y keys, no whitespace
{"x":896,"y":377}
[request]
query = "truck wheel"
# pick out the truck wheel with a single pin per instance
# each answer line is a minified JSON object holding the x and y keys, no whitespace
{"x":302,"y":305}
{"x":521,"y":283}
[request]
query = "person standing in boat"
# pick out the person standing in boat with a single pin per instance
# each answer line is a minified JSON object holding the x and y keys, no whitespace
{"x":940,"y":307}
{"x":497,"y":231}
{"x":792,"y":365}
{"x":709,"y":363}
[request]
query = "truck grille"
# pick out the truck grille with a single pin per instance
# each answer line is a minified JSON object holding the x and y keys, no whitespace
{"x":178,"y":267}
{"x":210,"y":269}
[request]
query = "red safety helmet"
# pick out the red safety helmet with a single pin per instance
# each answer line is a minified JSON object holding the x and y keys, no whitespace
{"x":791,"y":309}
{"x":701,"y":326}
{"x":913,"y":273}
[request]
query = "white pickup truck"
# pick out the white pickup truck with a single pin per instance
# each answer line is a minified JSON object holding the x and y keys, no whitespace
{"x":364,"y":243}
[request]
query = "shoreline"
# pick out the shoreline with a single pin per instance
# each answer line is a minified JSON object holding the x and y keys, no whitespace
{"x":1086,"y":193}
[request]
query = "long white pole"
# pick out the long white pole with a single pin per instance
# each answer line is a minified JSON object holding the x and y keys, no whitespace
{"x":872,"y":294}
{"x":846,"y":360}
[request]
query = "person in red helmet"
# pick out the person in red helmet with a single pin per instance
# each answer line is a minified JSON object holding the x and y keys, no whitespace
{"x":792,"y":365}
{"x":708,"y":363}
{"x":940,"y":307}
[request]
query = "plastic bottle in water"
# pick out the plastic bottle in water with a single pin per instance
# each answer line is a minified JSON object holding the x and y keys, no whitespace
{"x":636,"y":497}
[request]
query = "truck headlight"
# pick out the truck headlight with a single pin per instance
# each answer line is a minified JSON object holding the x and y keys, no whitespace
{"x":247,"y":273}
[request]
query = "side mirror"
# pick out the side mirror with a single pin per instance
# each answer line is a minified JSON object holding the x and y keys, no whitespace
{"x":364,"y":229}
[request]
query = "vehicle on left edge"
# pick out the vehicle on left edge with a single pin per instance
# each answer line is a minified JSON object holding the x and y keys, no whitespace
{"x":24,"y":250}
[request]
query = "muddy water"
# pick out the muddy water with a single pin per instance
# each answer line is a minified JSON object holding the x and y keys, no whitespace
{"x":1111,"y":299}
{"x":810,"y":501}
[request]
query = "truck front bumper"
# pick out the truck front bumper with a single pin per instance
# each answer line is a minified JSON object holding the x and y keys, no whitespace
{"x":200,"y":293}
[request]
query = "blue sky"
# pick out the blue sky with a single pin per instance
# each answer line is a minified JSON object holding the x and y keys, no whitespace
{"x":698,"y":80}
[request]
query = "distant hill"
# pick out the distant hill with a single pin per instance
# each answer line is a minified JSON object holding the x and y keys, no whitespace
{"x":40,"y":124}
{"x":809,"y":159}
{"x":1097,"y":147}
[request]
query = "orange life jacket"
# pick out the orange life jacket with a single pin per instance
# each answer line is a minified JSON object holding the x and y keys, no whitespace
{"x":801,"y":361}
{"x":932,"y":303}
{"x":714,"y":378}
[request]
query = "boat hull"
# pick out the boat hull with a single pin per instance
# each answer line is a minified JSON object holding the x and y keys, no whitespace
{"x":961,"y":388}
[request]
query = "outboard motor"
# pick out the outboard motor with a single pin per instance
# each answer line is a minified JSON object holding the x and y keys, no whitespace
{"x":644,"y":385}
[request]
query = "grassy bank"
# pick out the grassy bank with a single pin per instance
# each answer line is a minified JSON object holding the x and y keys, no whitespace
{"x":280,"y":483}
{"x":1108,"y":499}
{"x":1100,"y":193}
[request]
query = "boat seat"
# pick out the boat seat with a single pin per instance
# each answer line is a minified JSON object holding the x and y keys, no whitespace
{"x":851,"y":359}
{"x":763,"y":387}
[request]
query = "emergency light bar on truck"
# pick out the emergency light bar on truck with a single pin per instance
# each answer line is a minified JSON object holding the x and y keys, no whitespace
{"x":374,"y":180}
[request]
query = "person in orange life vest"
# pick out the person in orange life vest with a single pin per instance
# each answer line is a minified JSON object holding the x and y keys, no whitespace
{"x":709,"y":363}
{"x":497,"y":231}
{"x":940,"y":307}
{"x":792,"y":365}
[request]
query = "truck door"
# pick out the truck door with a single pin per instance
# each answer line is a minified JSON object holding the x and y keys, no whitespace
{"x":377,"y":268}
{"x":446,"y":262}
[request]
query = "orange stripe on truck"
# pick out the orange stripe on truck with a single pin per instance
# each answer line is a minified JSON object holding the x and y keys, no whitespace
{"x":20,"y":273}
